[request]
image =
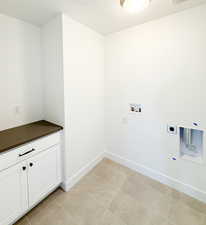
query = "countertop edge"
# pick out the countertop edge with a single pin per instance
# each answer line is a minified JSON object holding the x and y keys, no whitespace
{"x":57,"y":128}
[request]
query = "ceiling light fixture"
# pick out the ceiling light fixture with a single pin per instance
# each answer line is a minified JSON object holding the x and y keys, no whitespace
{"x":134,"y":5}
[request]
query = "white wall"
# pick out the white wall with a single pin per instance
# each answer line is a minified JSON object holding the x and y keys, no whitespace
{"x":52,"y":65}
{"x":73,"y":57}
{"x":20,"y":73}
{"x":53,"y":78}
{"x":160,"y":65}
{"x":84,"y":94}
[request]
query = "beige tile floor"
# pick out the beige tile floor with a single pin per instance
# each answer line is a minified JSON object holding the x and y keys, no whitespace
{"x":114,"y":195}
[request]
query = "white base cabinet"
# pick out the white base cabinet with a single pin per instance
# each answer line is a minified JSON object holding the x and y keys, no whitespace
{"x":24,"y":184}
{"x":13,"y":193}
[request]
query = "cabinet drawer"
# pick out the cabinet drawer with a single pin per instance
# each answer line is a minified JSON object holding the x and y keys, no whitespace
{"x":13,"y":156}
{"x":45,"y":142}
{"x":24,"y":152}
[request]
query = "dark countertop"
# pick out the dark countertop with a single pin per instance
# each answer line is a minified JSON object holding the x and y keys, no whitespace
{"x":17,"y":136}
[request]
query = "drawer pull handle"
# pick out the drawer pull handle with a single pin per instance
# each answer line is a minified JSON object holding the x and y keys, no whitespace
{"x":31,"y":164}
{"x":20,"y":155}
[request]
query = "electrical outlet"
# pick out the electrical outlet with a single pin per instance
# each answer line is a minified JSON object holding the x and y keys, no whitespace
{"x":125,"y":120}
{"x":17,"y":109}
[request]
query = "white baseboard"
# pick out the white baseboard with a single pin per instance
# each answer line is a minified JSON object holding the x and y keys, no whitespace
{"x":162,"y":178}
{"x":68,"y":184}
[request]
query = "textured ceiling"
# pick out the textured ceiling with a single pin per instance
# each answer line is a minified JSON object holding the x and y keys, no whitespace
{"x":104,"y":16}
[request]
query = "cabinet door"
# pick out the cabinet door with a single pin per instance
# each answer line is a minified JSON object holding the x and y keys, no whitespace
{"x":13,"y":193}
{"x":43,"y":174}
